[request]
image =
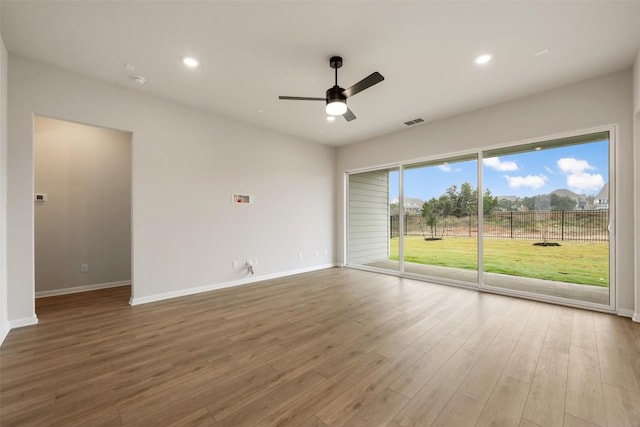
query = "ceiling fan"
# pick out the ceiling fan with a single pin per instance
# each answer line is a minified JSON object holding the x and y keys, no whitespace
{"x":336,"y":97}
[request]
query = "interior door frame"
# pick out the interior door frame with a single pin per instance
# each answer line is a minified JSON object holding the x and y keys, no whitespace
{"x":131,"y":195}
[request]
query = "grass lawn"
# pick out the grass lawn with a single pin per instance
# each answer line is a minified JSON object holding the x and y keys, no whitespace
{"x":585,"y":263}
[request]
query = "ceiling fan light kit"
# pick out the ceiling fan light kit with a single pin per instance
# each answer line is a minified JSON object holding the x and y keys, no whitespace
{"x":336,"y":102}
{"x":336,"y":108}
{"x":336,"y":97}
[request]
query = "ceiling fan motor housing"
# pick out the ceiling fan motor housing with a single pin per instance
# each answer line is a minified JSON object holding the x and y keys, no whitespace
{"x":334,"y":94}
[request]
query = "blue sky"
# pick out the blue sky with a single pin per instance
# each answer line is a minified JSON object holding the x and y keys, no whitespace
{"x":580,"y":168}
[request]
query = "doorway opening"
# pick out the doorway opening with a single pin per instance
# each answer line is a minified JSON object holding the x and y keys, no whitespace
{"x":82,"y":212}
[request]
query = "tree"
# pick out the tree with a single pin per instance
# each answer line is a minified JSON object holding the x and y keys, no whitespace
{"x":448,"y":200}
{"x":394,"y":208}
{"x":543,"y":202}
{"x":467,"y":200}
{"x":460,"y":202}
{"x":454,"y":202}
{"x":431,"y":213}
{"x":529,"y":203}
{"x":489,"y":202}
{"x":506,"y":205}
{"x":562,"y":203}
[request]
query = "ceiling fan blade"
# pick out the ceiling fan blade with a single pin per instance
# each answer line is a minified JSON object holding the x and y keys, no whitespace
{"x":302,"y":98}
{"x":367,"y":82}
{"x":348,"y":116}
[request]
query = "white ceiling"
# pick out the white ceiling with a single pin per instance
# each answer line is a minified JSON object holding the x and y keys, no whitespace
{"x":252,"y":51}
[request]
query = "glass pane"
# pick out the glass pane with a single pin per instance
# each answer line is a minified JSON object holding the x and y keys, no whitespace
{"x":546,"y":213}
{"x":440,"y":213}
{"x":371,"y":219}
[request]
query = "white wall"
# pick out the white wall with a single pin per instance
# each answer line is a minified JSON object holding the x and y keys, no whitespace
{"x":4,"y":320}
{"x":186,"y":164}
{"x":85,"y":171}
{"x":636,"y":132}
{"x":596,"y":102}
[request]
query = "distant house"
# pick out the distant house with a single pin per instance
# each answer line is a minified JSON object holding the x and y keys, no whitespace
{"x":602,"y":198}
{"x":580,"y":199}
{"x":412,"y":205}
{"x":508,"y":203}
{"x":583,"y":203}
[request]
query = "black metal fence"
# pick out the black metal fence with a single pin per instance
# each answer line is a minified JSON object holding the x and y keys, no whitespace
{"x":575,"y":225}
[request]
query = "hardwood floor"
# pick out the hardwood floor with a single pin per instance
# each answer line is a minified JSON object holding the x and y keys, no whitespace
{"x":336,"y":347}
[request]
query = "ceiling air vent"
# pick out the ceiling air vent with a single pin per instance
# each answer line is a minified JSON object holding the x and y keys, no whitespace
{"x":414,"y":121}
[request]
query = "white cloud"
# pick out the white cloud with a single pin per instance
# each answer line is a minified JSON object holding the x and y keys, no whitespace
{"x":585,"y":182}
{"x":570,"y":165}
{"x":497,"y":164}
{"x":447,"y":168}
{"x":531,"y":181}
{"x":577,"y":177}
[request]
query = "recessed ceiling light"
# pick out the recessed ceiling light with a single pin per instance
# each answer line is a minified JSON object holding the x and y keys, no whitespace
{"x":260,"y":110}
{"x":483,"y":59}
{"x":331,"y":118}
{"x":541,"y":52}
{"x":190,"y":62}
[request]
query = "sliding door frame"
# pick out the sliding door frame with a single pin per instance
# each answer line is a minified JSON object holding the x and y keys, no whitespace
{"x":613,"y":219}
{"x":479,"y":152}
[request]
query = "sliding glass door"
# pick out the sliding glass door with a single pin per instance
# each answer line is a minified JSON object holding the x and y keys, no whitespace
{"x":547,"y":231}
{"x":530,"y":219}
{"x":440,"y":215}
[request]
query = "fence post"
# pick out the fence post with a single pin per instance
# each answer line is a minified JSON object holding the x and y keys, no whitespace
{"x":562,"y":225}
{"x":391,"y":227}
{"x":405,"y":224}
{"x":511,"y":223}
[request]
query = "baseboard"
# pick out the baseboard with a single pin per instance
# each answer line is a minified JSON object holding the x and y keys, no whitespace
{"x":222,"y":285}
{"x":85,"y":288}
{"x":3,"y":333}
{"x":625,"y":312}
{"x":636,"y":317}
{"x":19,"y":323}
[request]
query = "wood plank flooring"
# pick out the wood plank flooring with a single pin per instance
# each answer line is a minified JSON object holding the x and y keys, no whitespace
{"x":337,"y":347}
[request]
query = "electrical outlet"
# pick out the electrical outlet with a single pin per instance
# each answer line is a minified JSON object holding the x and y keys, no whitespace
{"x":325,"y":252}
{"x":255,"y":261}
{"x":317,"y":253}
{"x":249,"y":262}
{"x":84,"y":268}
{"x":299,"y":255}
{"x":234,"y":265}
